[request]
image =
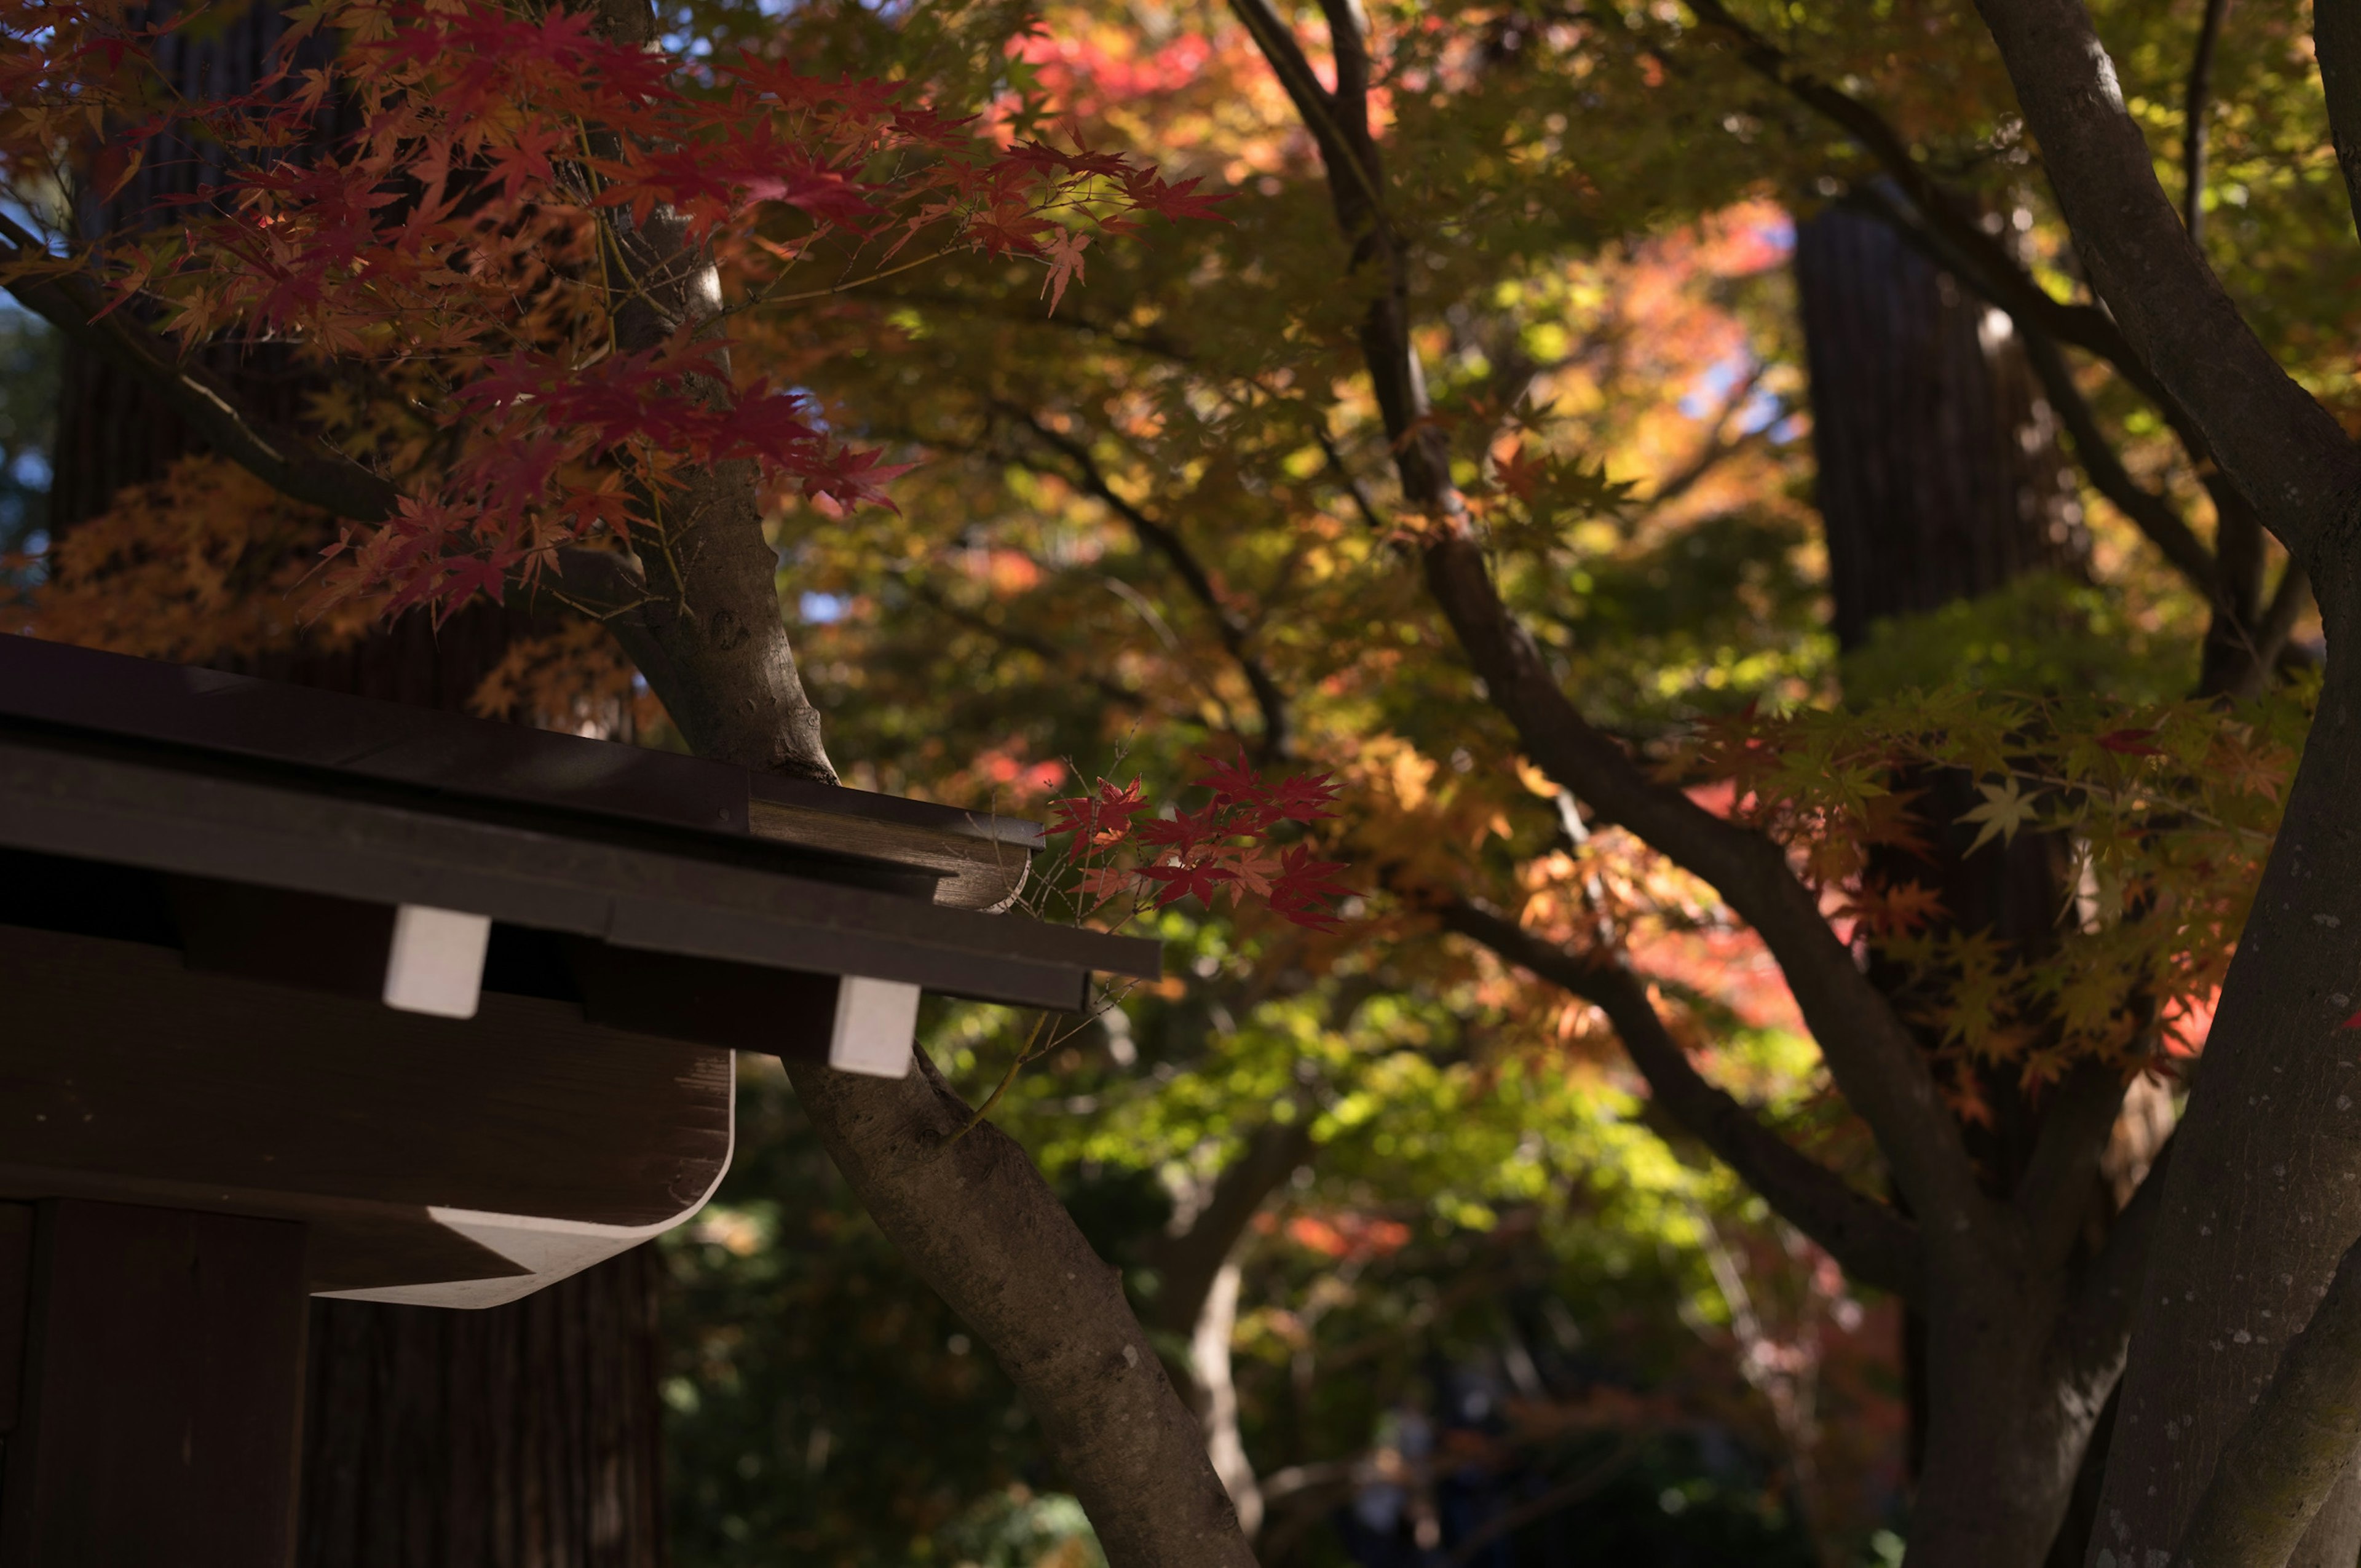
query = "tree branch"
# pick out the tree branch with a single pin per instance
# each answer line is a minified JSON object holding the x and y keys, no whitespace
{"x":287,"y":462}
{"x":2228,"y":574}
{"x":2298,"y":1439}
{"x":2054,"y":1194}
{"x":1317,"y":107}
{"x":977,"y":1223}
{"x":2094,"y":1330}
{"x":1875,"y":1062}
{"x":1876,"y":1246}
{"x":2336,"y":40}
{"x":2197,"y":101}
{"x":2278,"y":620}
{"x":2285,"y":453}
{"x":1230,"y":626}
{"x":2152,"y":514}
{"x":1975,"y":255}
{"x":1187,"y":1263}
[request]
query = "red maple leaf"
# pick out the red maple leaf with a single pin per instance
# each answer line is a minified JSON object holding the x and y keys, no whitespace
{"x":1305,"y":890}
{"x":1175,"y":883}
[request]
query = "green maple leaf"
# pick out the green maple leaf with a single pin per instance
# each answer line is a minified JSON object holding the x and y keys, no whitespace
{"x":2006,"y":809}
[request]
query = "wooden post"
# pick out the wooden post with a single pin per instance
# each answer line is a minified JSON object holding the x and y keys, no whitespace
{"x":162,"y":1408}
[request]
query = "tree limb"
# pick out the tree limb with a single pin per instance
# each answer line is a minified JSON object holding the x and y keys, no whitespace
{"x":2279,"y":618}
{"x":2228,"y":573}
{"x":287,"y":462}
{"x":1059,"y":659}
{"x":1186,"y":1264}
{"x":2152,"y":514}
{"x":1975,"y":254}
{"x":2054,"y":1194}
{"x":978,"y":1223}
{"x":2197,"y":101}
{"x":2298,"y":1439}
{"x":2336,"y":40}
{"x":1978,"y":258}
{"x":2285,"y":453}
{"x":1872,"y":1057}
{"x":1875,"y":1246}
{"x":2094,"y":1330}
{"x":1232,"y":628}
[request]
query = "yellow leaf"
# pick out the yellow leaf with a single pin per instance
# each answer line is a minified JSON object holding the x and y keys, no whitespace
{"x":2006,"y":809}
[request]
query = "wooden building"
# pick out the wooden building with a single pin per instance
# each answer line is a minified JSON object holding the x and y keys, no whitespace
{"x":306,"y":995}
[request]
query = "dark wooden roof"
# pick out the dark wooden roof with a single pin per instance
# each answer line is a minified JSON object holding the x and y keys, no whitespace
{"x":202,"y":879}
{"x":193,"y":774}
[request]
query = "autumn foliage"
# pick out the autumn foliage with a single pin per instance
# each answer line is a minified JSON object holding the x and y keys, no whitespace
{"x":2162,"y":817}
{"x":462,"y":209}
{"x":1223,"y":850}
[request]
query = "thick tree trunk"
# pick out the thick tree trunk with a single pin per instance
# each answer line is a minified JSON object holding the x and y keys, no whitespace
{"x":1939,"y":480}
{"x":2004,"y":1440}
{"x":1939,"y":477}
{"x":2264,"y":1195}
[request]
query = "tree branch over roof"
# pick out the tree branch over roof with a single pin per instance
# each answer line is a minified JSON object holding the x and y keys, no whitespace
{"x":2281,"y":448}
{"x":287,"y":462}
{"x":1876,"y":1246}
{"x":598,"y":582}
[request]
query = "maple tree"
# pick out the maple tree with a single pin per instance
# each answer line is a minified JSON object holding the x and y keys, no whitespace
{"x":1187,"y":501}
{"x":480,"y":251}
{"x":1209,"y":481}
